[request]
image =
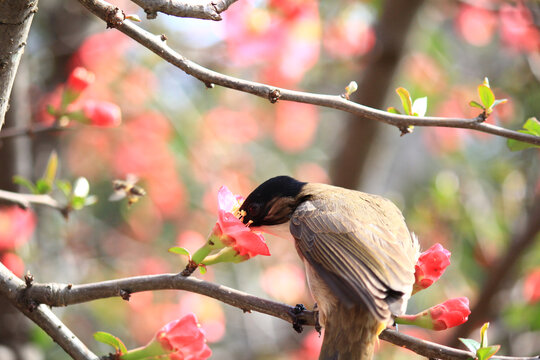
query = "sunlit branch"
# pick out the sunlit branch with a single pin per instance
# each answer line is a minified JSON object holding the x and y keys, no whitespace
{"x":191,"y":9}
{"x":25,"y":200}
{"x":11,"y":287}
{"x":115,"y":18}
{"x":54,"y":294}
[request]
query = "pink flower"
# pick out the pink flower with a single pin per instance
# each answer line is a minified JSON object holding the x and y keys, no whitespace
{"x":185,"y":339}
{"x":102,"y":113}
{"x":430,"y":266}
{"x":232,"y":231}
{"x":443,"y":316}
{"x":79,"y":79}
{"x":16,"y":227}
{"x":531,"y":287}
{"x":518,"y":30}
{"x":450,"y":313}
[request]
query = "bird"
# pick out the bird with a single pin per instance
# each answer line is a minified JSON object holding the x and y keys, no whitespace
{"x":358,"y":253}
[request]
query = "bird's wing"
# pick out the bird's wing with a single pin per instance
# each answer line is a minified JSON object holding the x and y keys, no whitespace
{"x":361,"y":249}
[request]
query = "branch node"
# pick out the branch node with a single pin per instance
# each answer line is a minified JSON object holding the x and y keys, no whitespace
{"x":125,"y":294}
{"x":274,"y":96}
{"x":150,"y":14}
{"x":190,"y":268}
{"x":163,"y":37}
{"x":28,"y":279}
{"x":114,"y":17}
{"x":407,"y":129}
{"x":209,"y":85}
{"x":482,"y":117}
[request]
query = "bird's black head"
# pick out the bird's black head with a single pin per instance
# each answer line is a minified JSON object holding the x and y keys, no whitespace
{"x":272,"y":202}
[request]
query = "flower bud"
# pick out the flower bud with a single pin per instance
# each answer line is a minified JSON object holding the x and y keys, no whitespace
{"x":80,"y":79}
{"x":443,"y":316}
{"x":430,"y":267}
{"x":102,"y":113}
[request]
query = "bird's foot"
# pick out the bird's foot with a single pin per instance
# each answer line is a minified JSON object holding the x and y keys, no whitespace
{"x":297,"y":320}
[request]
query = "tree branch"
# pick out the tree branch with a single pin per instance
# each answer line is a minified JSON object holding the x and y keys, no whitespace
{"x":25,"y":200}
{"x":54,"y":294}
{"x":12,"y":132}
{"x":192,"y":9}
{"x":115,"y":18}
{"x":15,"y":20}
{"x":11,"y":287}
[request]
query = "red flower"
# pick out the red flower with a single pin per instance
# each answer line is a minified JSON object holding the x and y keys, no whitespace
{"x":531,"y":287}
{"x":102,"y":113}
{"x":185,"y":339}
{"x":450,"y":313}
{"x":16,"y":227}
{"x":234,"y":232}
{"x":430,"y":266}
{"x":443,"y":316}
{"x":80,"y":79}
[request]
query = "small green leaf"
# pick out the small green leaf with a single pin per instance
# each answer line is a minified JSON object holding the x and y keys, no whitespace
{"x":483,"y":335}
{"x":476,"y":104}
{"x":405,"y":100}
{"x":202,"y":269}
{"x":51,"y":169}
{"x":77,"y":202}
{"x":499,"y":102}
{"x":393,"y":110}
{"x":42,"y":187}
{"x":90,"y":200}
{"x":533,"y":126}
{"x":51,"y":110}
{"x":486,"y":82}
{"x":486,"y":353}
{"x":21,"y":180}
{"x":419,"y":106}
{"x":64,"y":186}
{"x":471,"y":344}
{"x":486,"y":96}
{"x":180,"y":251}
{"x":109,"y":339}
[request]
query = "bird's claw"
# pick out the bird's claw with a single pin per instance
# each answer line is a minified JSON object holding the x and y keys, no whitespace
{"x":297,"y":321}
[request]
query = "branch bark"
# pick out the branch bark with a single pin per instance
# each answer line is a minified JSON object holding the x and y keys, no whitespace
{"x":192,"y":9}
{"x":115,"y":18}
{"x":25,"y":200}
{"x":15,"y":20}
{"x":54,"y":294}
{"x":11,"y":287}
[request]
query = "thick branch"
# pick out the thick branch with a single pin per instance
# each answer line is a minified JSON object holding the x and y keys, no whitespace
{"x":114,"y":18}
{"x":11,"y":287}
{"x":15,"y":20}
{"x":62,"y":295}
{"x":191,"y":9}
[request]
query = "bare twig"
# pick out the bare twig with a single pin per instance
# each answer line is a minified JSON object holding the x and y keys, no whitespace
{"x":11,"y":287}
{"x":15,"y":20}
{"x":25,"y":200}
{"x":12,"y":132}
{"x":191,"y":9}
{"x":114,"y":18}
{"x":54,"y":294}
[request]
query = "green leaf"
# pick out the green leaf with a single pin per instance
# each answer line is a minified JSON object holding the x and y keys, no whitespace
{"x":77,"y":202}
{"x":486,"y":96}
{"x":64,"y":186}
{"x":471,"y":344}
{"x":202,"y":269}
{"x":111,"y":340}
{"x":42,"y":187}
{"x":483,"y":335}
{"x":486,"y":353}
{"x":51,"y":110}
{"x":21,"y":180}
{"x":476,"y":104}
{"x":393,"y":110}
{"x":180,"y":251}
{"x":499,"y":101}
{"x":533,"y":126}
{"x":405,"y":100}
{"x":51,"y":169}
{"x":419,"y":106}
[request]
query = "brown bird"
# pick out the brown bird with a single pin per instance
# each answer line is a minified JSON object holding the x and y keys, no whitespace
{"x":358,"y":254}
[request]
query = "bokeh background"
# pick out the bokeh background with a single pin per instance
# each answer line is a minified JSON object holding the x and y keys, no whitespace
{"x":460,"y":188}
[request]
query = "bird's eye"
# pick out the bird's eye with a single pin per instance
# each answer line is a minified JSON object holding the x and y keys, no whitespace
{"x":253,"y":210}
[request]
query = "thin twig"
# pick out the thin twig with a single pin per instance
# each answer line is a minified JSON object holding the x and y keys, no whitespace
{"x":115,"y":18}
{"x":25,"y":200}
{"x":192,"y":9}
{"x":12,"y":132}
{"x":11,"y":287}
{"x":54,"y":294}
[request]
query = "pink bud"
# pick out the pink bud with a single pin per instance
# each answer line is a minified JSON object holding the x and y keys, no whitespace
{"x":450,"y":313}
{"x":80,"y":79}
{"x":184,"y":338}
{"x":102,"y":113}
{"x":430,"y":266}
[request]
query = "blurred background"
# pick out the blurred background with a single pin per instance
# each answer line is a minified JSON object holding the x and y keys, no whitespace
{"x":460,"y":188}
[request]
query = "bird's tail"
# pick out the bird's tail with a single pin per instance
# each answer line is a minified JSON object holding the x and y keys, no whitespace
{"x":350,"y":334}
